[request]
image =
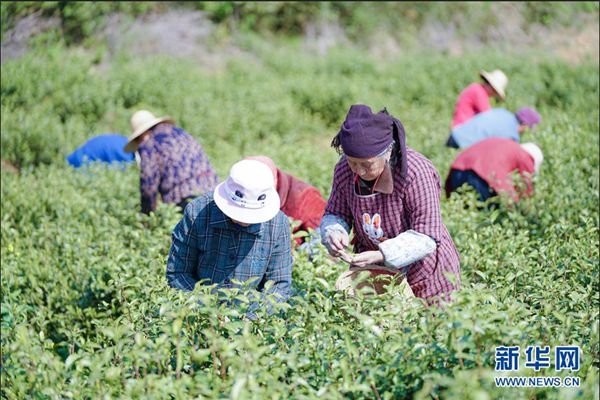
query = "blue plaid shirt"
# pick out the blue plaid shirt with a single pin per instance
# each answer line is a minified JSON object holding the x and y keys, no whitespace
{"x":207,"y":246}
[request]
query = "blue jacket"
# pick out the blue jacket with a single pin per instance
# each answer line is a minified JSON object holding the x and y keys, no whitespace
{"x":497,"y":122}
{"x":106,"y":148}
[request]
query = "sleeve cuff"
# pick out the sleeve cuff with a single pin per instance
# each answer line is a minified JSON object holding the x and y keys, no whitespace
{"x":406,"y":248}
{"x":331,"y":223}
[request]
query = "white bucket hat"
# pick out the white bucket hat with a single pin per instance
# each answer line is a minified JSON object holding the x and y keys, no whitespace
{"x":248,"y":195}
{"x":497,"y":79}
{"x":536,"y":153}
{"x":141,"y":121}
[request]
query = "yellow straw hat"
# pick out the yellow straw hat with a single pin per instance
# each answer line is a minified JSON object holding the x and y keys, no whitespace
{"x":497,"y":79}
{"x":141,"y":121}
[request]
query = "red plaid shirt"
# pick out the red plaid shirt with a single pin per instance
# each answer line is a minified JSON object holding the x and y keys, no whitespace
{"x":414,"y":204}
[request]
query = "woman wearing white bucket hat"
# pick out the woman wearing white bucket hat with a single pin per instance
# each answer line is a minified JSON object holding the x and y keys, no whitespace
{"x":475,"y":98}
{"x":299,"y":200}
{"x":237,"y":233}
{"x":172,"y":163}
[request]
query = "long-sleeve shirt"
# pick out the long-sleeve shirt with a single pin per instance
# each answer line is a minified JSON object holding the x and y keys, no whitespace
{"x":300,"y":201}
{"x":497,"y":122}
{"x":413,"y":204}
{"x":174,"y":165}
{"x":471,"y":101}
{"x":207,"y":246}
{"x":107,"y":148}
{"x":494,"y":160}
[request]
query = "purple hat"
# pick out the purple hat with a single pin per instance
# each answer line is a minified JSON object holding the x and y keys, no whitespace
{"x":365,"y":135}
{"x":528,"y":116}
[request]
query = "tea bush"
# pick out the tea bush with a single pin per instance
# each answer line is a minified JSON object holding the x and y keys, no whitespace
{"x":86,"y":312}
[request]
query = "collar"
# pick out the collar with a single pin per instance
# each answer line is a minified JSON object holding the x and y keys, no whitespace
{"x":218,"y":219}
{"x":385,"y":182}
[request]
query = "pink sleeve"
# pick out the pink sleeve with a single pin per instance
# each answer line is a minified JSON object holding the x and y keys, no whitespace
{"x":481,"y":101}
{"x":472,"y":101}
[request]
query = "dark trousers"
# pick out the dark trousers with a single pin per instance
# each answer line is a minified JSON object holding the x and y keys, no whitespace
{"x":459,"y":178}
{"x":451,"y":142}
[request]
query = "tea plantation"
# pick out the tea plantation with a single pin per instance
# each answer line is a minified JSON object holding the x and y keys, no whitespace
{"x":86,"y":312}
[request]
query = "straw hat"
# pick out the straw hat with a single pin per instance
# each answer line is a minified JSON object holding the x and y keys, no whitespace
{"x":141,"y":121}
{"x":378,"y":279}
{"x":248,"y":195}
{"x":497,"y":79}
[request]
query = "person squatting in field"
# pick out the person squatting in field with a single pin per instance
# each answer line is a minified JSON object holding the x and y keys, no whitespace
{"x":487,"y":166}
{"x":497,"y":122}
{"x":389,"y":194}
{"x":172,"y":163}
{"x":299,"y":200}
{"x":237,"y":233}
{"x":475,"y":98}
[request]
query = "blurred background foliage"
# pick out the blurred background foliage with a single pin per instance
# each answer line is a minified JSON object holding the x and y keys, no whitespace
{"x":54,"y":98}
{"x":79,"y":21}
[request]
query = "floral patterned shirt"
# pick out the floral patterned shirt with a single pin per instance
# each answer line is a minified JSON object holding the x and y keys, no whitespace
{"x":173,"y":164}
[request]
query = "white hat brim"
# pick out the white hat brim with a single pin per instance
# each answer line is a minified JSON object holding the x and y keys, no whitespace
{"x":244,"y":214}
{"x":130,"y":147}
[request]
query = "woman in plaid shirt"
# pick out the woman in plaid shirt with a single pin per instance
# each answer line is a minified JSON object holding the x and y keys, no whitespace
{"x":390,"y":195}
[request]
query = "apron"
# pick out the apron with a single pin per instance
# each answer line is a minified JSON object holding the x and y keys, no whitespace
{"x":377,"y":217}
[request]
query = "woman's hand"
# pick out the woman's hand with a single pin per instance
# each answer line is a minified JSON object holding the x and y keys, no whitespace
{"x":337,"y":243}
{"x":334,"y":234}
{"x":367,"y":258}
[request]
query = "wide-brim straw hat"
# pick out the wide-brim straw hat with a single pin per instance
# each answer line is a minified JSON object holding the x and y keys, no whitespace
{"x":379,"y":279}
{"x":497,"y":79}
{"x":141,"y":121}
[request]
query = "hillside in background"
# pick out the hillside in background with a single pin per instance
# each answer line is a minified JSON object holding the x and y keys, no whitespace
{"x":109,"y":44}
{"x":388,"y":29}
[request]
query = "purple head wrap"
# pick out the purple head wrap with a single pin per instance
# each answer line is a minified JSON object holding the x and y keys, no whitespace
{"x":528,"y":116}
{"x":365,"y":135}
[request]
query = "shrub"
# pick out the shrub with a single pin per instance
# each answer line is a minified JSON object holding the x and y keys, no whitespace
{"x":86,"y":311}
